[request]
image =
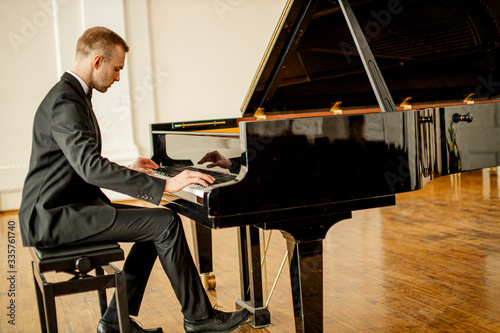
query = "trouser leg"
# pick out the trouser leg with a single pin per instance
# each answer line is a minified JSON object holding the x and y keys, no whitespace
{"x":163,"y":229}
{"x":173,"y":253}
{"x":137,"y":268}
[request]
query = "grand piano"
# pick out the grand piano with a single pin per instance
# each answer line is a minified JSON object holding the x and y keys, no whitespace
{"x":353,"y":102}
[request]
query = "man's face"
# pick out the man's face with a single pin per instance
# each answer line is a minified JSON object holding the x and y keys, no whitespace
{"x":107,"y":72}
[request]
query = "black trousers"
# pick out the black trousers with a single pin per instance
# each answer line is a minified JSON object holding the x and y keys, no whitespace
{"x":157,"y":232}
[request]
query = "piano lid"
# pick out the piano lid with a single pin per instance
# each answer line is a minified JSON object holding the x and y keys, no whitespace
{"x":432,"y":51}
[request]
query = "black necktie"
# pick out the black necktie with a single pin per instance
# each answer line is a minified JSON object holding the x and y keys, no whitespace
{"x":94,"y":120}
{"x":89,"y":96}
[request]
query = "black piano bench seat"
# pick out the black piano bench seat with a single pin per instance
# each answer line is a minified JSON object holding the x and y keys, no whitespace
{"x":79,"y":261}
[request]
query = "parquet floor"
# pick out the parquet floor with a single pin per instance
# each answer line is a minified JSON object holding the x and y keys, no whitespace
{"x":429,"y":264}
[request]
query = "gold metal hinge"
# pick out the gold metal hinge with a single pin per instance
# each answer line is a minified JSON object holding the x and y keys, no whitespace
{"x":468,"y":99}
{"x":259,"y":114}
{"x":335,"y":108}
{"x":406,"y":103}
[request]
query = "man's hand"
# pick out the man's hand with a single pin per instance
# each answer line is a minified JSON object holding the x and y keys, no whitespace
{"x":145,"y":165}
{"x":217,"y":160}
{"x":185,"y":178}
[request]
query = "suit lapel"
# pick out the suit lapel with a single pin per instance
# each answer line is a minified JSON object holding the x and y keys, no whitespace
{"x":96,"y":126}
{"x":79,"y":89}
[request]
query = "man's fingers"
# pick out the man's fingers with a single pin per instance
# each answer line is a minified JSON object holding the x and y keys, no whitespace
{"x":142,"y":164}
{"x":209,"y":157}
{"x":153,"y":165}
{"x":203,"y":179}
{"x":149,"y":164}
{"x":196,"y":177}
{"x":149,"y":171}
{"x":201,"y":182}
{"x":206,"y":178}
{"x":186,"y":178}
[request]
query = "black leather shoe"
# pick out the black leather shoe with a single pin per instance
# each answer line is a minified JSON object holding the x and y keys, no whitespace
{"x":107,"y":327}
{"x":219,"y":322}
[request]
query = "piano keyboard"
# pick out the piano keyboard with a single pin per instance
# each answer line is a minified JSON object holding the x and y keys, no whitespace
{"x":220,"y":177}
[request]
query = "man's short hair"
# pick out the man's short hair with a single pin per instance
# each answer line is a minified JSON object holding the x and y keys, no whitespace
{"x":100,"y":39}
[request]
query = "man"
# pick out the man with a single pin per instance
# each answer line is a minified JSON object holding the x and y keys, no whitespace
{"x":62,"y":202}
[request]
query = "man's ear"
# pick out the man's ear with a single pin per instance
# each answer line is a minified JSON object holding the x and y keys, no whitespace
{"x":97,"y":61}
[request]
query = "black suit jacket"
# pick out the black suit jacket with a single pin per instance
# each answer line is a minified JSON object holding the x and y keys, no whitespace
{"x":62,"y":201}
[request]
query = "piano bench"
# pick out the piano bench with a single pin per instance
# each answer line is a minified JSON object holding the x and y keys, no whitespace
{"x":78,"y":260}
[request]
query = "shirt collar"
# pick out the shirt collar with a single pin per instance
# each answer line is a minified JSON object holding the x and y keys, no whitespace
{"x":84,"y":85}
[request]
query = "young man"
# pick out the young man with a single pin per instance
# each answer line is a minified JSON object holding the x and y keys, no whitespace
{"x":62,"y":202}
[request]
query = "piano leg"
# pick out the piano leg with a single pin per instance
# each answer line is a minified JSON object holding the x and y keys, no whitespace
{"x":305,"y":256}
{"x":202,"y":241}
{"x":251,"y":276}
{"x":306,"y":275}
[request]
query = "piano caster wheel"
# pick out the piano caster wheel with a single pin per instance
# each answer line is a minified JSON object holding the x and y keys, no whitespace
{"x":208,"y":280}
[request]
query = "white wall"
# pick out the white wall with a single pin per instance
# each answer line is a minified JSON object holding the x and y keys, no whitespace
{"x":209,"y":52}
{"x":28,"y":70}
{"x":189,"y":59}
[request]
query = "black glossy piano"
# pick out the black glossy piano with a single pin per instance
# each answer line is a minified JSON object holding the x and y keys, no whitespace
{"x":353,"y":102}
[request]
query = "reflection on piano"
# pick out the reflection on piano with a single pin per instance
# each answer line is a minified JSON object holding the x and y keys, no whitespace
{"x":322,"y":136}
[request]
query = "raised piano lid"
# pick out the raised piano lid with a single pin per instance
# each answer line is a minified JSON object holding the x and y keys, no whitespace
{"x":428,"y":51}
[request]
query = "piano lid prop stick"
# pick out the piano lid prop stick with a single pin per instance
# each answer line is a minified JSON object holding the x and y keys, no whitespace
{"x":263,"y":260}
{"x":263,"y":264}
{"x":266,"y":246}
{"x":377,"y":81}
{"x":276,"y":280}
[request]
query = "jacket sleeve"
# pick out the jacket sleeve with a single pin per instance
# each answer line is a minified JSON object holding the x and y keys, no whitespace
{"x":76,"y":136}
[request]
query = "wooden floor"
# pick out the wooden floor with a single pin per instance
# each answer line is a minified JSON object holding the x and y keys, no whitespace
{"x":429,"y":264}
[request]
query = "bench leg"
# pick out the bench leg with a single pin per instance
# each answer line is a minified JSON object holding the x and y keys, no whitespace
{"x":39,"y":299}
{"x":103,"y":301}
{"x":46,"y":302}
{"x":49,"y":301}
{"x":122,"y":302}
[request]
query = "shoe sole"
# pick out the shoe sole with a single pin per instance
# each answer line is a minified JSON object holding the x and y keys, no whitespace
{"x":243,"y":321}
